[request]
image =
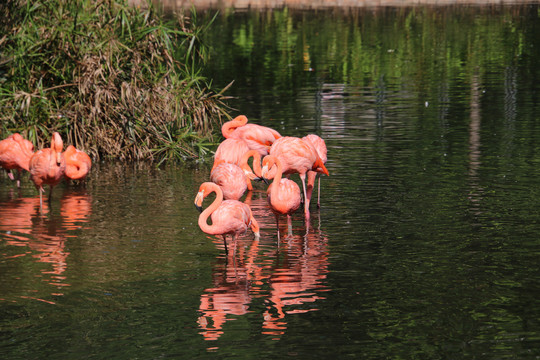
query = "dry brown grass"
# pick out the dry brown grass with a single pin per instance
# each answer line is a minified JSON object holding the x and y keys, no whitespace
{"x":106,"y":76}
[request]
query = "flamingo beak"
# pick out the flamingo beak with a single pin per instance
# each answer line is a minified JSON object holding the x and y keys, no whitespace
{"x":58,"y":158}
{"x":198,"y":201}
{"x":263,"y":179}
{"x":264,"y":171}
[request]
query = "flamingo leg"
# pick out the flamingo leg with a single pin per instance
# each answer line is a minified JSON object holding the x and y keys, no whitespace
{"x":40,"y":190}
{"x":311,"y":178}
{"x":247,"y":200}
{"x":277,"y":226}
{"x":319,"y":194}
{"x":50,"y":194}
{"x":289,"y":224}
{"x":18,"y":178}
{"x":225,"y":243}
{"x":306,"y":201}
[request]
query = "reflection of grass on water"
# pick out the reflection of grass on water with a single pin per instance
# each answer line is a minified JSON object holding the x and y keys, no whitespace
{"x":106,"y":76}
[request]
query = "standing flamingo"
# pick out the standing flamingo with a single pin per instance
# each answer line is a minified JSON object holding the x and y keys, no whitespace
{"x":47,"y":166}
{"x":78,"y":163}
{"x":283,"y":194}
{"x":319,"y":145}
{"x":257,"y":137}
{"x":230,"y":151}
{"x":298,"y":156}
{"x":234,"y":180}
{"x":228,"y":217}
{"x":15,"y":154}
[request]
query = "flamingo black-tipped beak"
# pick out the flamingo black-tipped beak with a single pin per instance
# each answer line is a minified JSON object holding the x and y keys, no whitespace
{"x":262,"y":179}
{"x":199,"y":208}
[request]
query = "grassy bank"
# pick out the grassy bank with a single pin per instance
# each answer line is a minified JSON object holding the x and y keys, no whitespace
{"x":115,"y":80}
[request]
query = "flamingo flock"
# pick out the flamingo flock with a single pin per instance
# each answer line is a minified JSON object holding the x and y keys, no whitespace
{"x":46,"y":166}
{"x":275,"y":157}
{"x":231,"y":175}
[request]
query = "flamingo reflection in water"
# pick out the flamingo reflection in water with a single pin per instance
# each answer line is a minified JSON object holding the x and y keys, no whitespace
{"x":230,"y":295}
{"x":297,"y":281}
{"x":23,"y":225}
{"x":288,"y":281}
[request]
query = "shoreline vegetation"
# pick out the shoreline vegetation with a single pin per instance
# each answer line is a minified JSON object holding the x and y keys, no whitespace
{"x":115,"y":80}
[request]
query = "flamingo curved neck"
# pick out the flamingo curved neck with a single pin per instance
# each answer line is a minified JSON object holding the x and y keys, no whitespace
{"x":203,"y":217}
{"x":77,"y":171}
{"x":256,"y":162}
{"x":277,"y":177}
{"x":55,"y":160}
{"x":228,"y":128}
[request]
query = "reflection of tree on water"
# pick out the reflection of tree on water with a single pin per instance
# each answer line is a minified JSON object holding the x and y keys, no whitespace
{"x":474,"y":146}
{"x":288,"y":281}
{"x":23,"y":225}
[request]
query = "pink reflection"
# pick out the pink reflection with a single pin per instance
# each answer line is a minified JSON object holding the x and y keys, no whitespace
{"x":230,"y":295}
{"x":298,"y":281}
{"x":289,"y":280}
{"x":44,"y":236}
{"x":75,"y":210}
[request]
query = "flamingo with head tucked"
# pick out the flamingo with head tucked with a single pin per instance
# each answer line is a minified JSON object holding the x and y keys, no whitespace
{"x":47,"y":166}
{"x":15,"y":154}
{"x":257,"y":137}
{"x":319,"y":145}
{"x":78,"y":163}
{"x":298,"y":156}
{"x":234,"y":180}
{"x":283,"y":194}
{"x":229,"y":217}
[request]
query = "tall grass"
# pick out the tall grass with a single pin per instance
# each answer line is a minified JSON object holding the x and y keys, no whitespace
{"x":104,"y":74}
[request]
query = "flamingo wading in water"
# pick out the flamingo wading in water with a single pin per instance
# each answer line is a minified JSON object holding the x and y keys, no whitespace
{"x":15,"y":154}
{"x":230,"y":151}
{"x":283,"y":194}
{"x":229,"y":217}
{"x":319,"y":145}
{"x":298,"y":156}
{"x":257,"y":137}
{"x":234,"y":180}
{"x":47,"y":166}
{"x":78,"y":163}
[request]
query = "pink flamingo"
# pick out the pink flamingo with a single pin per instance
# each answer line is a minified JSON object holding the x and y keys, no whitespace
{"x":228,"y":217}
{"x":298,"y":156}
{"x":47,"y":166}
{"x":234,"y":180}
{"x":15,"y":154}
{"x":283,"y":194}
{"x":230,"y":151}
{"x":78,"y":163}
{"x":319,"y":145}
{"x":257,"y":137}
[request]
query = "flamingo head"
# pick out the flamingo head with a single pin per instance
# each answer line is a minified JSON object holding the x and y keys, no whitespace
{"x":267,"y":164}
{"x":204,"y":190}
{"x":198,"y":200}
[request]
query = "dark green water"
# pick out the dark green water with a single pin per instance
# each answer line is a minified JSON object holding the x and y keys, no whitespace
{"x":426,"y":245}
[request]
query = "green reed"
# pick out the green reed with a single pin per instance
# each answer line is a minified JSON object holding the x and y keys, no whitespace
{"x":116,"y":80}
